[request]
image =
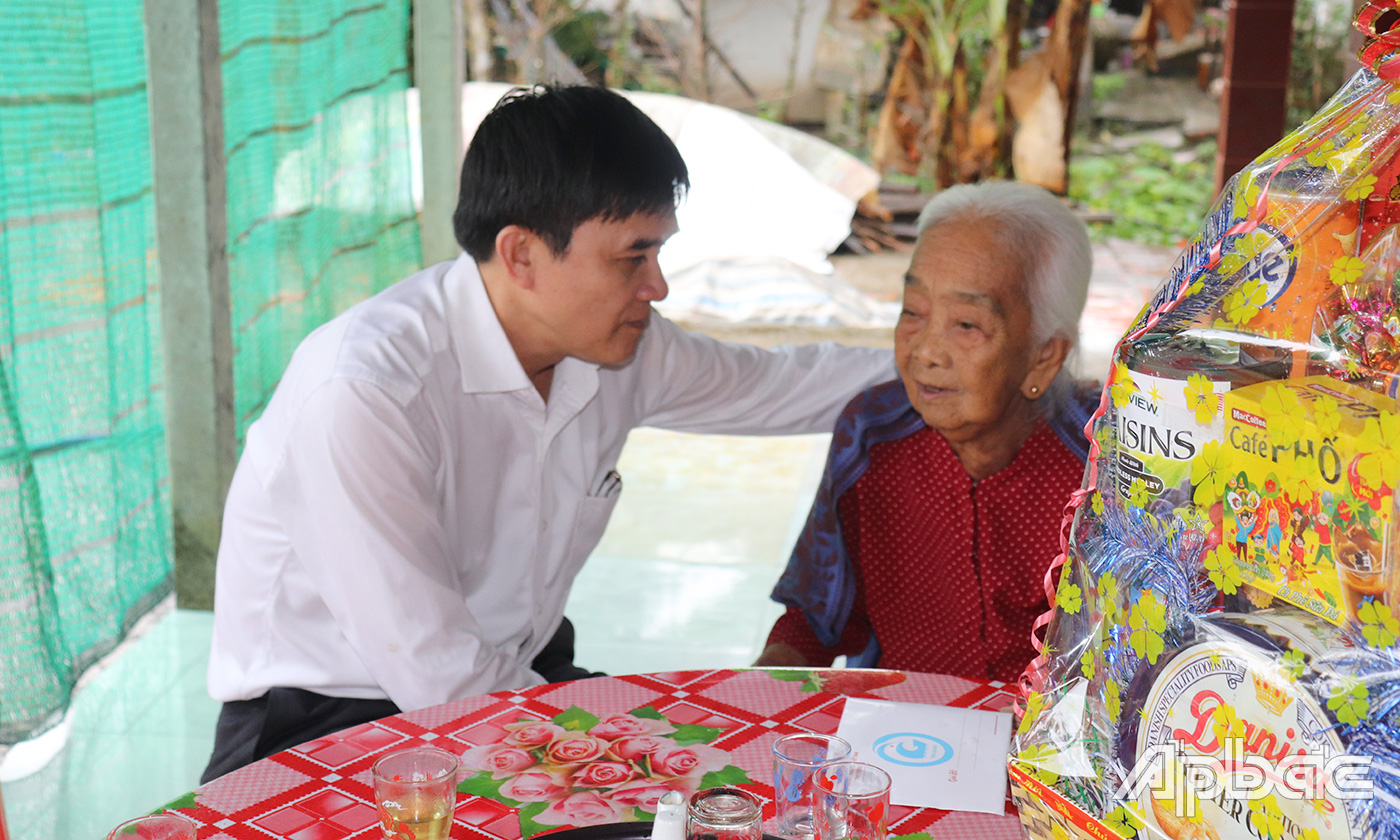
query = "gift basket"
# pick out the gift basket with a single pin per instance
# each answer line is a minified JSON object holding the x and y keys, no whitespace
{"x":1220,"y":660}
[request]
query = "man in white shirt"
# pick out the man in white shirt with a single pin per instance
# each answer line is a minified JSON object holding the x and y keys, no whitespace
{"x":437,"y":462}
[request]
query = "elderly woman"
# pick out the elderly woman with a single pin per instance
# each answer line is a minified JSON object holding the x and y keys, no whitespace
{"x":940,"y":510}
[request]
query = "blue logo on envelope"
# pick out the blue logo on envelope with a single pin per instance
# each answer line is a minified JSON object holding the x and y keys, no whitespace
{"x":913,"y":749}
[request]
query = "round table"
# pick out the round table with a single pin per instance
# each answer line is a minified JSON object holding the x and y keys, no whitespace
{"x":321,"y":790}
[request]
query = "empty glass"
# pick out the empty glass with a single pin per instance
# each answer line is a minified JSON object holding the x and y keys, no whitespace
{"x":724,"y":813}
{"x":796,"y":759}
{"x":851,"y":802}
{"x":154,"y":827}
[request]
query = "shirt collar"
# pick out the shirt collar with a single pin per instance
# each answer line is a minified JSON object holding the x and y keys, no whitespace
{"x":485,"y":357}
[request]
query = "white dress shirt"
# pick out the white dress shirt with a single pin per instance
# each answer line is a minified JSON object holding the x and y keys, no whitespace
{"x":408,"y":513}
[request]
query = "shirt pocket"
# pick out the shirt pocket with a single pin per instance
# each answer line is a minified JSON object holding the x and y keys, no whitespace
{"x":589,"y":524}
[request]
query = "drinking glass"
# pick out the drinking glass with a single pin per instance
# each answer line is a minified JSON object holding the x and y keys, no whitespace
{"x":796,"y":759}
{"x":154,"y":827}
{"x":415,"y":791}
{"x":851,"y":801}
{"x":724,"y":813}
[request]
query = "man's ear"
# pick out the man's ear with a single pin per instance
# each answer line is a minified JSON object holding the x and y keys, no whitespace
{"x":518,"y":248}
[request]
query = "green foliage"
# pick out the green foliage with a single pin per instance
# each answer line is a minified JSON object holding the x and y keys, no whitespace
{"x":689,"y":733}
{"x":185,"y":801}
{"x":482,"y":784}
{"x":1107,"y":86}
{"x":730,"y":775}
{"x":1321,"y":33}
{"x":581,"y":35}
{"x":576,"y":719}
{"x":1155,"y":200}
{"x":647,"y":712}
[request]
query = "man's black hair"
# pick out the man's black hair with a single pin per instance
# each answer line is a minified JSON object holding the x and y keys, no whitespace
{"x":551,"y":158}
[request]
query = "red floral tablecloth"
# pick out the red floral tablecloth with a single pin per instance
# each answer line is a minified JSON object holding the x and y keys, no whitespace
{"x":579,"y":753}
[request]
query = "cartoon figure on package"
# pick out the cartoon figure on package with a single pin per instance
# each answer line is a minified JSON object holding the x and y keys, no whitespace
{"x":1241,"y":502}
{"x":1322,"y":526}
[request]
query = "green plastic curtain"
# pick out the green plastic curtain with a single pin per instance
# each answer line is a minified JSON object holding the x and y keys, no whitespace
{"x":84,"y":512}
{"x":320,"y":200}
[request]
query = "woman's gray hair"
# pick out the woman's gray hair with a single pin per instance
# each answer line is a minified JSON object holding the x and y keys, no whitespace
{"x":1046,"y":239}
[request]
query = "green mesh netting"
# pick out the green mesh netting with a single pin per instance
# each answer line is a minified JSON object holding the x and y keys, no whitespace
{"x":319,"y":186}
{"x":84,"y":522}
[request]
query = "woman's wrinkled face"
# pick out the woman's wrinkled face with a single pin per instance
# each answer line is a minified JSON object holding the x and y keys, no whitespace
{"x":963,"y":342}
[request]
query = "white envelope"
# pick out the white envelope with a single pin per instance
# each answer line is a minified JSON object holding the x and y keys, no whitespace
{"x":937,"y":756}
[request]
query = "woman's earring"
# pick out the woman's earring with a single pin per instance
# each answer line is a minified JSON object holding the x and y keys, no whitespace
{"x":1035,"y":390}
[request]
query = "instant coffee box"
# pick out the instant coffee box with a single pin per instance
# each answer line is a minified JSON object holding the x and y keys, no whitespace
{"x":1309,"y":504}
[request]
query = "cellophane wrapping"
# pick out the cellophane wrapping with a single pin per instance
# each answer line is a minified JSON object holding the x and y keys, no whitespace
{"x":1226,"y":604}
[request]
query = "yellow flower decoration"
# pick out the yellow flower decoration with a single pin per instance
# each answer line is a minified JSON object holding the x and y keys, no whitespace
{"x":1210,"y":473}
{"x":1378,"y":624}
{"x":1285,"y":415}
{"x":1108,"y":598}
{"x":1070,"y":598}
{"x":1297,"y":474}
{"x":1123,"y":822}
{"x":1242,"y":251}
{"x":1350,"y":701}
{"x":1147,"y":622}
{"x":1327,"y":415}
{"x":1226,"y":724}
{"x":1245,"y":301}
{"x":1034,"y":704}
{"x":1096,"y":503}
{"x":1123,"y":385}
{"x":1138,"y":496}
{"x":1266,"y":818}
{"x":1113,"y":700}
{"x":1346,"y":270}
{"x":1320,"y":155}
{"x":1247,"y":195}
{"x":1089,"y":663}
{"x":1223,"y":570}
{"x":1038,"y":759}
{"x":1349,"y":152}
{"x":1201,"y":398}
{"x":1360,"y":188}
{"x":1294,"y":663}
{"x":1381,"y":440}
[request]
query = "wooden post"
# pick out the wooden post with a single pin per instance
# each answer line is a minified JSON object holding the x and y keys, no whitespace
{"x":187,"y":160}
{"x":439,"y":67}
{"x":1254,"y":107}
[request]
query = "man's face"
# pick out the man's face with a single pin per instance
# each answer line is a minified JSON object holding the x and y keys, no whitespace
{"x":594,"y":301}
{"x":963,"y":340}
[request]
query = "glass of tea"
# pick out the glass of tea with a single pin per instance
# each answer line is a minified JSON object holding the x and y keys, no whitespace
{"x":415,"y":791}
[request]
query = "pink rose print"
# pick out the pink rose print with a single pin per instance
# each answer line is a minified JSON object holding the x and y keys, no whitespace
{"x":615,"y":771}
{"x":587,"y":808}
{"x":604,"y":774}
{"x":627,"y":726}
{"x":632,"y":749}
{"x":533,"y":786}
{"x":532,"y":733}
{"x":694,"y":760}
{"x":500,"y":759}
{"x":643,"y":793}
{"x":573,"y":749}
